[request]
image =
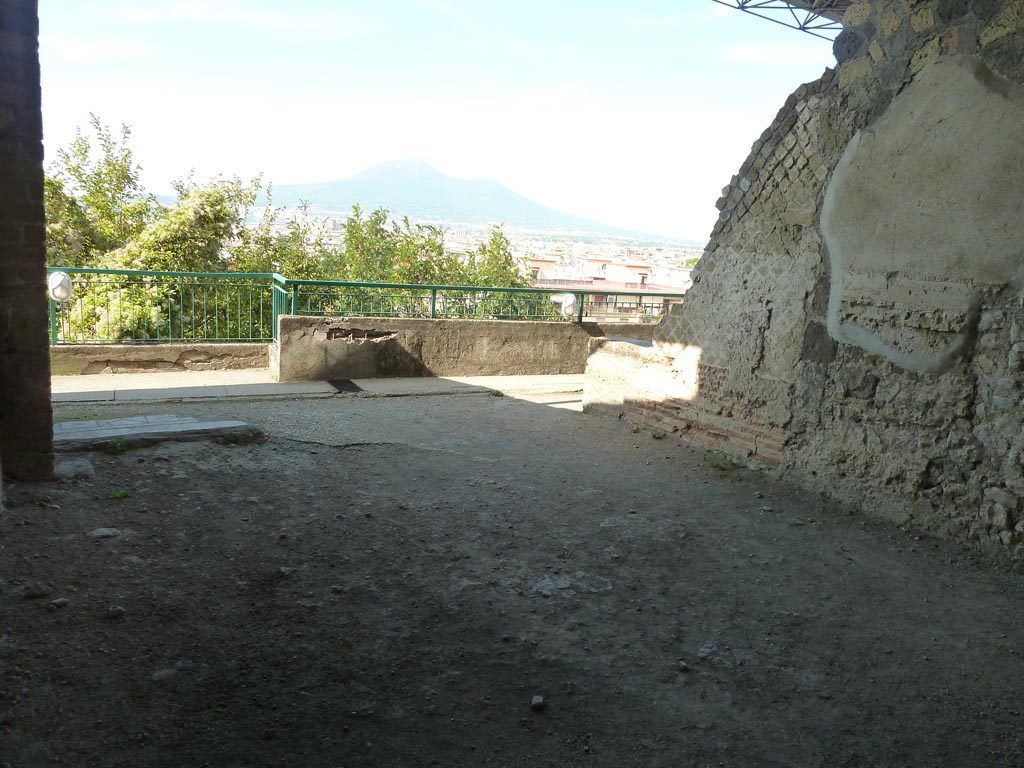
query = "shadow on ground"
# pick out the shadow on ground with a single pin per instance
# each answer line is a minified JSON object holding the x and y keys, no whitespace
{"x":390,"y":582}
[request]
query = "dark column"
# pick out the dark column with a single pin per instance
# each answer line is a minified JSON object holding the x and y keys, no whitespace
{"x":26,"y":419}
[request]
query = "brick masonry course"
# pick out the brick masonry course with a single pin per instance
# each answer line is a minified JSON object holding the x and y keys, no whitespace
{"x":25,"y":414}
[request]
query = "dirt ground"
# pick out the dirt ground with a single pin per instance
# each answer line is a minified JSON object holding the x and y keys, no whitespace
{"x":391,"y":582}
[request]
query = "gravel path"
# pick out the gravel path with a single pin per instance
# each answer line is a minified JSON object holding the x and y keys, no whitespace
{"x":395,"y":582}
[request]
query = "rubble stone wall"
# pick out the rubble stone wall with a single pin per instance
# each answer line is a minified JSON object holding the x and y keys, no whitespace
{"x":857,"y":318}
{"x":26,"y":429}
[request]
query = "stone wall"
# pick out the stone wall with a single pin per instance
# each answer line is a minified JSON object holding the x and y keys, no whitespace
{"x":328,"y":348}
{"x":26,"y":430}
{"x":857,"y":318}
{"x":73,"y":360}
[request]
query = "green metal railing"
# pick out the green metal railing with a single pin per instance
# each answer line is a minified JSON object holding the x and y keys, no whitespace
{"x":121,"y":305}
{"x":117,"y":306}
{"x":323,"y":297}
{"x":333,"y":297}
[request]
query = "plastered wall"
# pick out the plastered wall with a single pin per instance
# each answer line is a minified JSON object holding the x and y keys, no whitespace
{"x":857,"y":319}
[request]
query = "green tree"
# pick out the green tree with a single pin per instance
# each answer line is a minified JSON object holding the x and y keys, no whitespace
{"x":301,"y":251}
{"x":191,"y":236}
{"x":370,"y":247}
{"x":492,"y":264}
{"x":194,"y":234}
{"x":421,"y":256}
{"x":100,"y":172}
{"x":70,"y":238}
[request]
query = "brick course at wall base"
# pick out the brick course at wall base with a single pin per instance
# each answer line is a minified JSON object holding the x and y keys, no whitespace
{"x":26,"y":429}
{"x":749,"y":439}
{"x":889,"y":377}
{"x":700,"y":417}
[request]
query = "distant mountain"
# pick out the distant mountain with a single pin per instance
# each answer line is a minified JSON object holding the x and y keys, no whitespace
{"x":415,"y":189}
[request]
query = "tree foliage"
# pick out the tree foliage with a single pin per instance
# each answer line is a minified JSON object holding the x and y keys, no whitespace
{"x":100,"y":172}
{"x":99,"y":215}
{"x":192,"y":235}
{"x":492,"y":263}
{"x":301,"y":251}
{"x":70,"y":237}
{"x":377,"y":250}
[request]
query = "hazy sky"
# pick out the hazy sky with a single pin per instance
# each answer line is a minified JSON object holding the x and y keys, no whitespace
{"x":632,"y":112}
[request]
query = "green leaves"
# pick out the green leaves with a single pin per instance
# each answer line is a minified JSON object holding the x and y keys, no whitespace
{"x":98,"y":215}
{"x":194,"y":234}
{"x":100,"y":173}
{"x":301,"y":251}
{"x":492,"y":264}
{"x":376,"y":251}
{"x":70,"y":237}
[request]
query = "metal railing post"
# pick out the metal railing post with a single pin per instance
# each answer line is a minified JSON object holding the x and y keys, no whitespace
{"x":295,"y":300}
{"x":433,"y":303}
{"x":274,"y":310}
{"x":53,"y":321}
{"x":579,"y":314}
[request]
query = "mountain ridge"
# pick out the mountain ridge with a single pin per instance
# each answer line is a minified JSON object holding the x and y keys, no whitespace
{"x":412,"y":187}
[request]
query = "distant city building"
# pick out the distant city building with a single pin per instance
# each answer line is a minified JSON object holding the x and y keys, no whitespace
{"x":557,"y":260}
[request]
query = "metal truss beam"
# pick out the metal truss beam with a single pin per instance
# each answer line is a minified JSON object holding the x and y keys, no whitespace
{"x":821,"y":18}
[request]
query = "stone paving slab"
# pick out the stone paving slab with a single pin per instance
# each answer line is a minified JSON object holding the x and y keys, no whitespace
{"x":187,"y":385}
{"x":137,"y":430}
{"x":179,"y":385}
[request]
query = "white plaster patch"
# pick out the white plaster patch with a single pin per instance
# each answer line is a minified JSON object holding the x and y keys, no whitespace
{"x":925,"y":211}
{"x":681,"y":381}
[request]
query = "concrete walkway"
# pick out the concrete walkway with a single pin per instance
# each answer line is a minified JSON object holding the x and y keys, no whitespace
{"x":187,"y":385}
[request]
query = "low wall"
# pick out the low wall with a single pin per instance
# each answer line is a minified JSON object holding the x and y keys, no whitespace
{"x":327,"y":348}
{"x":143,"y":358}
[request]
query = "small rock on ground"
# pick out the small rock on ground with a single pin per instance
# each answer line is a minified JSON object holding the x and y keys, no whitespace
{"x":104,"y":533}
{"x":74,"y":469}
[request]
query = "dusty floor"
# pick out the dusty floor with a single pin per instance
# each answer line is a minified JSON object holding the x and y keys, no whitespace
{"x":390,"y":582}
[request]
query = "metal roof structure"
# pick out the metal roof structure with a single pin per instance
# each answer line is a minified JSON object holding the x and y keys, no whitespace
{"x":821,"y":18}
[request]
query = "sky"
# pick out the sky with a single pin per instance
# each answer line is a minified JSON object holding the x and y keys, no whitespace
{"x":634,"y":113}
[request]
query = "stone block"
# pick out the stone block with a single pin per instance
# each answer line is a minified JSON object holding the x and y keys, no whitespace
{"x":1002,"y":497}
{"x":1001,"y":518}
{"x":1015,"y":358}
{"x":857,"y":13}
{"x":854,"y":70}
{"x":1008,"y":22}
{"x":890,"y":23}
{"x":922,"y":20}
{"x":925,"y":55}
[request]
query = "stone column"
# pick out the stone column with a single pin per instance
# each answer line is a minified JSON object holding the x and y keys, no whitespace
{"x":26,"y":418}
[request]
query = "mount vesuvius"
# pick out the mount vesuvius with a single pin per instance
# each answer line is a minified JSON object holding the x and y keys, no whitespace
{"x":415,"y":189}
